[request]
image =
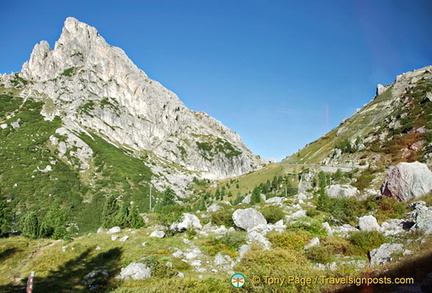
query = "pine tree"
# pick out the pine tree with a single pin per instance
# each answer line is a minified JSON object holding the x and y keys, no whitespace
{"x":31,"y":226}
{"x":122,"y":217}
{"x":4,"y":218}
{"x":135,"y":220}
{"x":256,"y":196}
{"x":110,"y":211}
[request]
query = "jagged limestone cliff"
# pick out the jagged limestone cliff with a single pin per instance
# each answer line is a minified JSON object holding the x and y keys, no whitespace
{"x":96,"y":89}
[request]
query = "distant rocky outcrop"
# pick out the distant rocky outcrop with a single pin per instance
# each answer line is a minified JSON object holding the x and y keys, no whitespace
{"x":407,"y":181}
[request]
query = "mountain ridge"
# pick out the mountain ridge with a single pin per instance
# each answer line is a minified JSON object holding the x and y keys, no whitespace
{"x":95,"y":86}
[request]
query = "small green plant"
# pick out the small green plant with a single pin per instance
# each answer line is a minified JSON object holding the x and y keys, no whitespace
{"x":69,"y":71}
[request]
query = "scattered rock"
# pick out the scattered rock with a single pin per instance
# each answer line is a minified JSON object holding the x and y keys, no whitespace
{"x":296,"y":215}
{"x":114,"y":237}
{"x":180,"y":275}
{"x":383,"y":254}
{"x":95,"y":280}
{"x":190,"y":221}
{"x":114,"y":230}
{"x":328,"y":228}
{"x":314,"y":241}
{"x":392,"y":227}
{"x":248,"y":219}
{"x":407,"y":181}
{"x":368,"y":223}
{"x":124,"y":238}
{"x":255,"y":237}
{"x":214,"y":208}
{"x":135,"y":271}
{"x":100,"y":230}
{"x":158,"y":234}
{"x":422,"y":217}
{"x":340,"y":191}
{"x":242,"y":251}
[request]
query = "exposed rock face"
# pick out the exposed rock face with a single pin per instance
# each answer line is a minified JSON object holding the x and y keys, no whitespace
{"x":248,"y":219}
{"x":97,"y":86}
{"x":407,"y":181}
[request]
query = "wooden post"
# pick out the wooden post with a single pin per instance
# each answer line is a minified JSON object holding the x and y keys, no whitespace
{"x":30,"y":282}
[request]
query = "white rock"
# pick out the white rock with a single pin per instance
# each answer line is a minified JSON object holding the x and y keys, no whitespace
{"x":422,"y":217}
{"x":3,"y":126}
{"x":328,"y":228}
{"x":256,"y":237}
{"x":314,"y":241}
{"x":407,"y":181}
{"x":100,"y":230}
{"x":114,"y":230}
{"x":296,"y":215}
{"x":275,"y":200}
{"x":180,"y":275}
{"x":368,"y":223}
{"x":158,"y":234}
{"x":15,"y":124}
{"x":114,"y":237}
{"x":340,"y":191}
{"x":383,"y":254}
{"x":190,"y":221}
{"x":243,"y":250}
{"x":124,"y":238}
{"x":248,"y":219}
{"x":392,"y":227}
{"x":214,"y":208}
{"x":135,"y":271}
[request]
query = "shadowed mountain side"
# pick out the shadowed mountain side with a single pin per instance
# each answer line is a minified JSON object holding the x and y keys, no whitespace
{"x":68,"y":277}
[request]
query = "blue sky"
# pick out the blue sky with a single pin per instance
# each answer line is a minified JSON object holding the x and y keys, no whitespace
{"x":279,"y":73}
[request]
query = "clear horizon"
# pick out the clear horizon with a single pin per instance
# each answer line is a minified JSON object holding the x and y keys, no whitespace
{"x":280,"y":75}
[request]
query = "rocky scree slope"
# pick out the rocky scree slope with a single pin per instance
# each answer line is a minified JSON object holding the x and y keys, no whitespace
{"x":96,"y":89}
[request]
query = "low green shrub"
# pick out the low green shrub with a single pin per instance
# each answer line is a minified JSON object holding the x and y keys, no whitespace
{"x":273,"y":214}
{"x":320,"y":254}
{"x":222,"y":217}
{"x":364,"y":241}
{"x":292,"y":240}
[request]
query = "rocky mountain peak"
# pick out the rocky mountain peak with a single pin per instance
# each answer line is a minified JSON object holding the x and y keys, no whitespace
{"x":95,"y":87}
{"x":79,"y":46}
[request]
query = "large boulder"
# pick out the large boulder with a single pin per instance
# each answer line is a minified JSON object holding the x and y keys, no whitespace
{"x":407,"y":181}
{"x":248,"y":219}
{"x":340,"y":191}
